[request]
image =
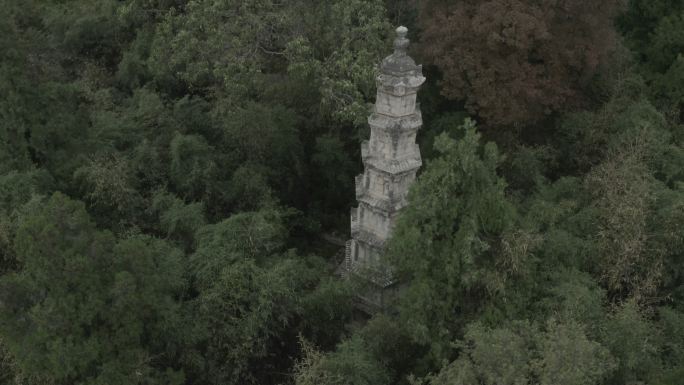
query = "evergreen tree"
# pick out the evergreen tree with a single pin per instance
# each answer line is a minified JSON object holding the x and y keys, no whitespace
{"x":445,"y":243}
{"x":85,"y":308}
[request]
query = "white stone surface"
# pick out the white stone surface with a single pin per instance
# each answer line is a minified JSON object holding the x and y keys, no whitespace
{"x":391,"y":159}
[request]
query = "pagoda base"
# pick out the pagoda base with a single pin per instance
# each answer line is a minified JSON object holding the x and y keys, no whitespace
{"x":377,"y":288}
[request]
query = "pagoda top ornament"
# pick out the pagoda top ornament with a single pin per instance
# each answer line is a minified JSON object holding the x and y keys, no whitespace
{"x":400,"y":63}
{"x":399,"y":74}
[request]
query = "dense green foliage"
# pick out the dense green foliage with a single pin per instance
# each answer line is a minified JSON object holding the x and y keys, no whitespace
{"x":168,"y":169}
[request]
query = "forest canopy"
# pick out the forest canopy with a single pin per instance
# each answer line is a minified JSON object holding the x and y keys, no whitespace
{"x":172,"y":173}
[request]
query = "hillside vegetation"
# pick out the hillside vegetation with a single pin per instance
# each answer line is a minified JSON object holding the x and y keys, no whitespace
{"x":168,"y":169}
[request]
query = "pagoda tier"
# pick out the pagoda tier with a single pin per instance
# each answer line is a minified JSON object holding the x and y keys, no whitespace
{"x":391,"y":159}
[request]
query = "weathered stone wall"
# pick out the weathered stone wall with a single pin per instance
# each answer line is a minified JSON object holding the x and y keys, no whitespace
{"x":391,"y":159}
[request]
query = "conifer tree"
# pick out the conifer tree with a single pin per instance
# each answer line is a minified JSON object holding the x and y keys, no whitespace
{"x":445,"y":243}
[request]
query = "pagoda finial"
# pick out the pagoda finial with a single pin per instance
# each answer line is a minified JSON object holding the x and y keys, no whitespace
{"x":399,"y":62}
{"x":401,"y":43}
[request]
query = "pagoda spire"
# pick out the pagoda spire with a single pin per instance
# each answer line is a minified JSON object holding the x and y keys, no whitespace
{"x":391,"y":159}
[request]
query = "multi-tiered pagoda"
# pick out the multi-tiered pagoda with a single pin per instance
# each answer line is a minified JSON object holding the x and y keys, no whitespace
{"x":391,"y":159}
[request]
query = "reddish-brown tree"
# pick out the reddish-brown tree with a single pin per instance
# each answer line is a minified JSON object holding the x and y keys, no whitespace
{"x":516,"y":61}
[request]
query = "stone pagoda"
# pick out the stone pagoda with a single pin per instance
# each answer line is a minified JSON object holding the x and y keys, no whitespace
{"x":391,"y":159}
